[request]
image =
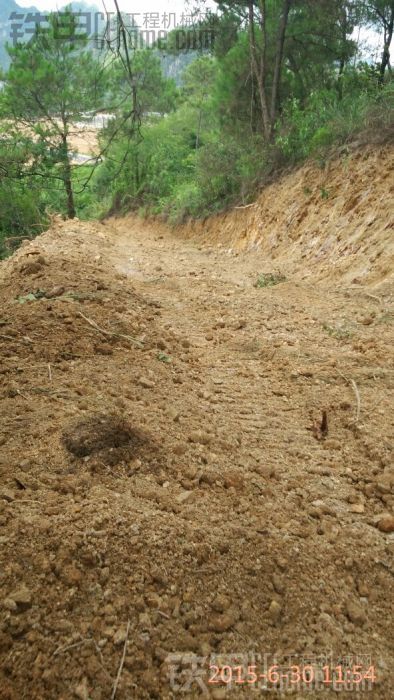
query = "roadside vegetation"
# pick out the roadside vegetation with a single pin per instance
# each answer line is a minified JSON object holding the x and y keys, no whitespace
{"x":281,"y":81}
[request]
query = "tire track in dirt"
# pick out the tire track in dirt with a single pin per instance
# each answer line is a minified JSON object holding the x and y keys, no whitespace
{"x":238,"y":527}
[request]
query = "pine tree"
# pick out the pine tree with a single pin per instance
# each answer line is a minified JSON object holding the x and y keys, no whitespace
{"x":52,"y":82}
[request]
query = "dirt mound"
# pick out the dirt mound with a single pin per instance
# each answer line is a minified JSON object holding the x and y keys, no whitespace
{"x":195,"y":471}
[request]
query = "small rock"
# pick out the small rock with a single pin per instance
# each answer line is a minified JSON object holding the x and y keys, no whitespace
{"x":153,"y":600}
{"x":202,"y":394}
{"x":222,"y":623}
{"x":184,"y":496}
{"x":120,"y":636}
{"x":81,"y":690}
{"x":220,"y":603}
{"x":233,"y":479}
{"x":144,"y":620}
{"x":9,"y":604}
{"x":274,"y":611}
{"x":209,"y":477}
{"x":55,"y":292}
{"x":282,"y":562}
{"x":8,"y":495}
{"x":357,"y":508}
{"x":147,"y":383}
{"x":386,"y":523}
{"x":103,"y":349}
{"x":363,"y":589}
{"x":384,"y":483}
{"x":71,"y":575}
{"x":355,"y":612}
{"x":22,"y":597}
{"x":173,"y":414}
{"x":238,"y":325}
{"x":104,"y":574}
{"x":278,"y":584}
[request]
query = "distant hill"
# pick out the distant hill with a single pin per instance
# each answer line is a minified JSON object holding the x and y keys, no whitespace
{"x":7,"y":7}
{"x":172,"y":65}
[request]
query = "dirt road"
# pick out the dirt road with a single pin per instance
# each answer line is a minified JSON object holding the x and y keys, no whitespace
{"x":195,"y":471}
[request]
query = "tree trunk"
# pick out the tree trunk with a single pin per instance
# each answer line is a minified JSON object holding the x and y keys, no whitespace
{"x":70,"y":198}
{"x":298,"y":75}
{"x":68,"y":180}
{"x":278,"y":63}
{"x":259,"y":73}
{"x":199,"y":130}
{"x":388,"y":35}
{"x":342,"y":59}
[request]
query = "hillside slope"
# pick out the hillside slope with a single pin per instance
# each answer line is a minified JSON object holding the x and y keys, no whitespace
{"x":330,"y":222}
{"x":195,"y":470}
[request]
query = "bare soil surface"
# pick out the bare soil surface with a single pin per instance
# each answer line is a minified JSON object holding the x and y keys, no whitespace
{"x":190,"y":464}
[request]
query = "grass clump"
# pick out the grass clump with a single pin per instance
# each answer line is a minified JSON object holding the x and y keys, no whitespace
{"x":269,"y":279}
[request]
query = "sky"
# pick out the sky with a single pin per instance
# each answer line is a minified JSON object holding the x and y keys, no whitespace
{"x":131,"y":6}
{"x":125,"y":5}
{"x":370,"y":42}
{"x":148,"y":14}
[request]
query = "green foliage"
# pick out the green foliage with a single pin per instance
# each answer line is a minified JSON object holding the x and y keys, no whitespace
{"x":339,"y":331}
{"x":233,"y":95}
{"x":21,"y":215}
{"x":246,"y":107}
{"x":31,"y":296}
{"x":168,"y":172}
{"x":212,"y":151}
{"x":164,"y":358}
{"x":52,"y":81}
{"x":269,"y":279}
{"x":153,"y":165}
{"x":326,"y":119}
{"x":155,"y":93}
{"x":187,"y":201}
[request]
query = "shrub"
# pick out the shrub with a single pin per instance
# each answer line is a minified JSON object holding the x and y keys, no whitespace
{"x":21,"y":215}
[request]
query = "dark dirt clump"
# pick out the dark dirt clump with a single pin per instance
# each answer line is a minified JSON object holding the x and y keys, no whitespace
{"x":101,"y":432}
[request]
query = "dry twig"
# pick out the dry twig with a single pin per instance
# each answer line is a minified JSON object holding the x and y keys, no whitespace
{"x":61,"y":650}
{"x":120,"y":669}
{"x":163,"y":614}
{"x":110,"y":333}
{"x":246,"y":206}
{"x":356,"y":393}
